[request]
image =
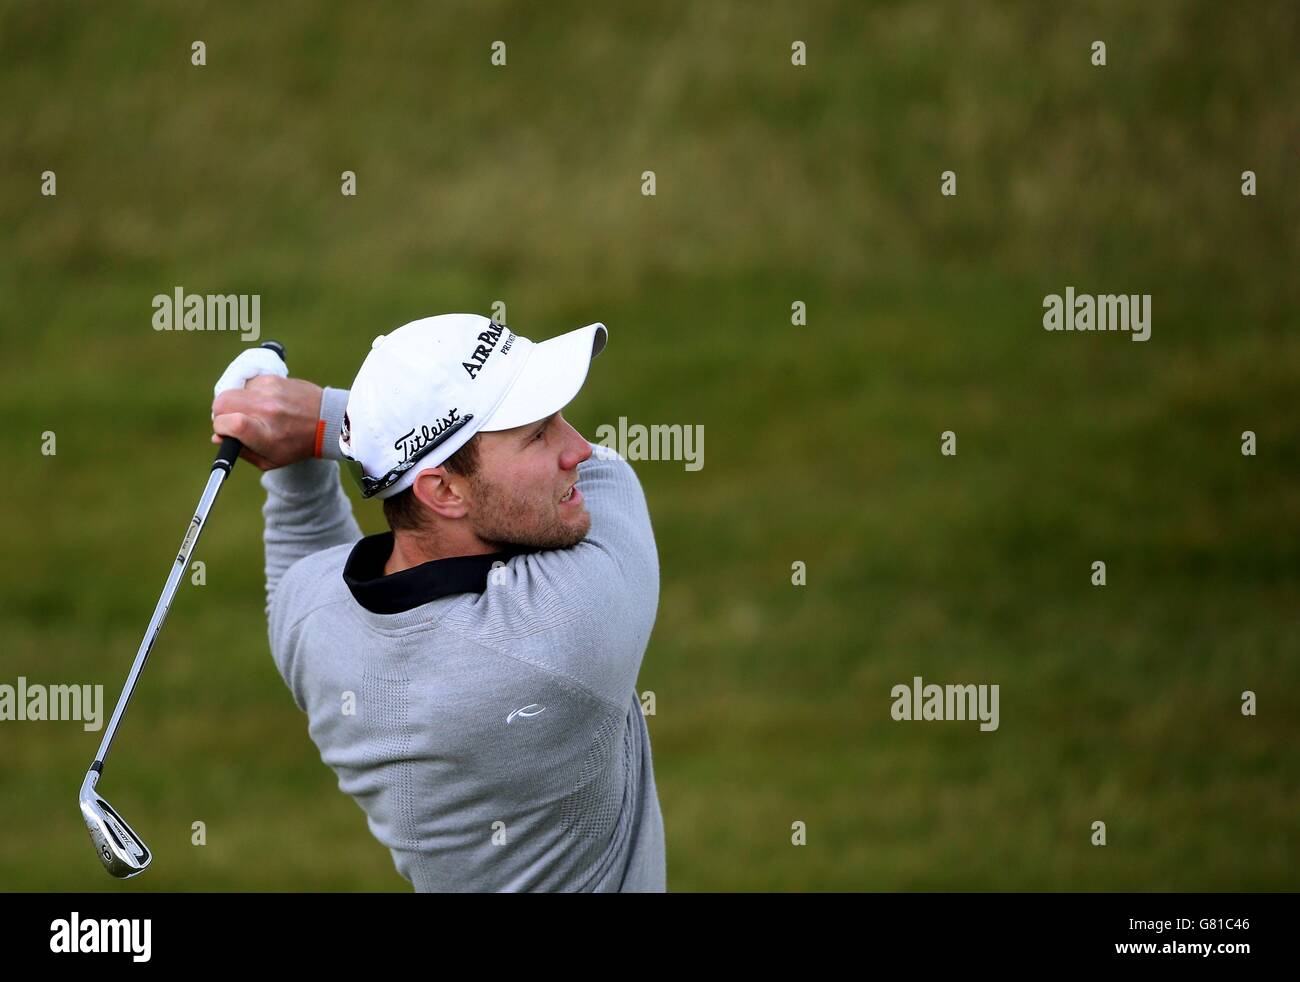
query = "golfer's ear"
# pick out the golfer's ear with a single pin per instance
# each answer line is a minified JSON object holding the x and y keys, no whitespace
{"x":433,"y":491}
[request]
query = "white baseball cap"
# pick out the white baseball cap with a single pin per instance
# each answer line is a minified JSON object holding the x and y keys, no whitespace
{"x":425,"y":389}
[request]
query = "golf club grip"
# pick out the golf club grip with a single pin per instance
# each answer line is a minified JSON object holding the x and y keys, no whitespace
{"x":230,"y":445}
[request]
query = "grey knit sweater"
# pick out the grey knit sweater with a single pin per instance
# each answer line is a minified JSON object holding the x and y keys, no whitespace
{"x":491,"y":734}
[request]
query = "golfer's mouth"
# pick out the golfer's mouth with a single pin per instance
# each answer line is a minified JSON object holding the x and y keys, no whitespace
{"x":572,"y":497}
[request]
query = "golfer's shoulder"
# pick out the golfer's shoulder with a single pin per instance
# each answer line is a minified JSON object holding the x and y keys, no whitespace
{"x":607,"y":461}
{"x":321,"y":564}
{"x":610,"y":483}
{"x":314,"y":581}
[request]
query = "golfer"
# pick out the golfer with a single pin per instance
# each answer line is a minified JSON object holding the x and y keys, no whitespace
{"x":469,"y":674}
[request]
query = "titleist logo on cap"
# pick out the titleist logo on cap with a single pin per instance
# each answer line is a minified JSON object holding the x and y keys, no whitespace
{"x":480,"y":356}
{"x":412,"y":441}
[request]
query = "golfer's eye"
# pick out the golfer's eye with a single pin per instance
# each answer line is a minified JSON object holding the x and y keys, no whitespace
{"x":540,"y":433}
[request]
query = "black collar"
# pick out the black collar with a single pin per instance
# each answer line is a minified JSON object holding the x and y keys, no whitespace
{"x":392,"y":594}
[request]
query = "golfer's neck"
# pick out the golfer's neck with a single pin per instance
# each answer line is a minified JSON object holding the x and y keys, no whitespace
{"x":409,"y":550}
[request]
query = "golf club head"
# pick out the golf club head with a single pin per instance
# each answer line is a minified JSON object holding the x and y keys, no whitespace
{"x":122,"y":852}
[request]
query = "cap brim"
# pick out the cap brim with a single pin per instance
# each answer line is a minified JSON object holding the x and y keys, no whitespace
{"x":553,"y":375}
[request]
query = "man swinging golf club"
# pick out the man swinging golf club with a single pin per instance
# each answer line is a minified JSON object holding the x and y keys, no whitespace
{"x":469,"y":675}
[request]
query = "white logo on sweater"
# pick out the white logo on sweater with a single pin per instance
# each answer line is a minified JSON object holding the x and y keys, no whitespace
{"x":524,"y":712}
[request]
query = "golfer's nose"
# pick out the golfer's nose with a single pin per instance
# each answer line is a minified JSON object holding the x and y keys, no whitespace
{"x":576,"y":451}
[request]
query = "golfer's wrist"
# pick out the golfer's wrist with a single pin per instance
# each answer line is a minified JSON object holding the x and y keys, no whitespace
{"x":333,"y":404}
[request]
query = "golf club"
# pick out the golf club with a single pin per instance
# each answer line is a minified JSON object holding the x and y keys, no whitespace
{"x":120,"y":849}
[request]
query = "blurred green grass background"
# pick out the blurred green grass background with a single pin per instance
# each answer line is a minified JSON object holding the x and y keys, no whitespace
{"x":775,"y":184}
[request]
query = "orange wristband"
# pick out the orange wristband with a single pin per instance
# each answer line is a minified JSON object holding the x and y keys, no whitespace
{"x":320,"y":436}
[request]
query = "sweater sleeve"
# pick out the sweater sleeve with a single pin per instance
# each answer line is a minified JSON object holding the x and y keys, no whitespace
{"x":615,"y":568}
{"x":306,"y":508}
{"x":596,"y":600}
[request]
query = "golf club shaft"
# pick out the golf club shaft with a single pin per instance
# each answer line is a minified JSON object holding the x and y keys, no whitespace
{"x":179,"y":567}
{"x":221,"y":467}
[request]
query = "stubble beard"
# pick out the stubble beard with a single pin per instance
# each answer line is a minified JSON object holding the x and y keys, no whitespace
{"x":504,"y":518}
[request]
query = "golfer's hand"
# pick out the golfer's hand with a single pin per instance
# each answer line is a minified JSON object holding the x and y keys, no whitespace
{"x":273,"y":417}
